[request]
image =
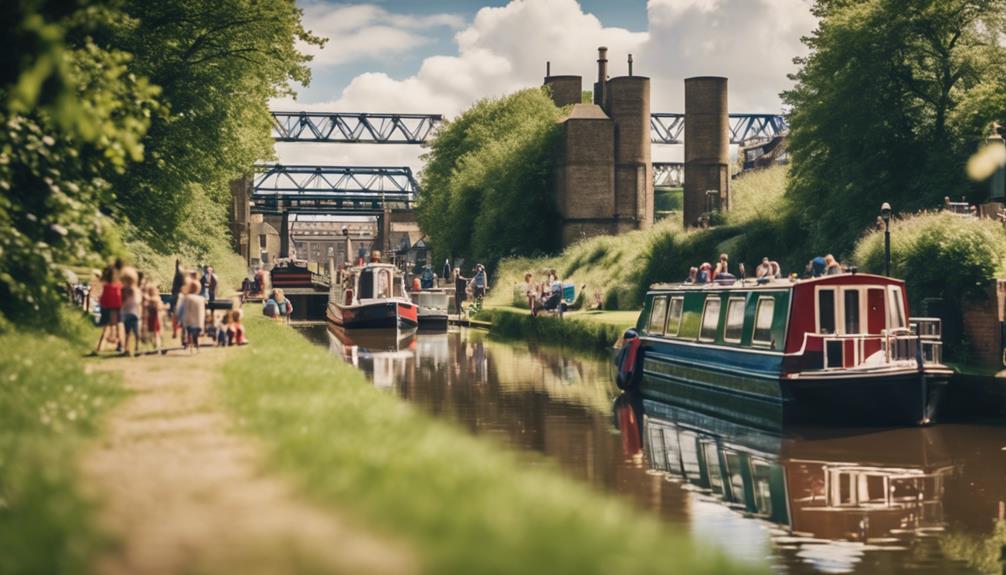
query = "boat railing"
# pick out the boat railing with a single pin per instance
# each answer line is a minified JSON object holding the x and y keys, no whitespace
{"x":926,"y":327}
{"x":891,"y":347}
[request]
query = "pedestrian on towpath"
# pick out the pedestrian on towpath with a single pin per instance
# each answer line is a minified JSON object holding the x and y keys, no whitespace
{"x":131,"y":309}
{"x":460,"y":285}
{"x":480,"y":283}
{"x":192,"y":314}
{"x":447,"y":270}
{"x":211,"y":284}
{"x":110,"y":302}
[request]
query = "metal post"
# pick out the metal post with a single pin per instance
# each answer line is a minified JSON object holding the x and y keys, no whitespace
{"x":887,"y":248}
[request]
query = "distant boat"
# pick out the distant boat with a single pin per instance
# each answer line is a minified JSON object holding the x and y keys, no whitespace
{"x":372,"y":296}
{"x":294,"y":274}
{"x":837,"y":348}
{"x":433,"y":306}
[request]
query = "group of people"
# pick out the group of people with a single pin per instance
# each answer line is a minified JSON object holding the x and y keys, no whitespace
{"x":131,"y":310}
{"x":766,"y":271}
{"x":475,"y":286}
{"x":546,"y":295}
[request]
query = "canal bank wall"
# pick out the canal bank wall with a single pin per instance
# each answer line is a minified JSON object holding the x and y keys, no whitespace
{"x":595,"y":332}
{"x":464,"y":504}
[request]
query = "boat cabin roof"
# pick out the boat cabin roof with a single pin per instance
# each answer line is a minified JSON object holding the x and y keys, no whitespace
{"x":851,"y":279}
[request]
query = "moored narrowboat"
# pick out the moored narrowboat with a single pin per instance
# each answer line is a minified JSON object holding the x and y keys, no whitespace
{"x":837,"y":349}
{"x":372,"y":296}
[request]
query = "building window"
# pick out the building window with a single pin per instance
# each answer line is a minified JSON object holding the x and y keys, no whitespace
{"x":657,"y":314}
{"x":710,"y":319}
{"x":674,"y":315}
{"x":764,"y":315}
{"x":735,"y":320}
{"x":262,"y":241}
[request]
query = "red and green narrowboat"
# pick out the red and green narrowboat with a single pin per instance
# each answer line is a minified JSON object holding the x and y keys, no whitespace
{"x":837,"y":349}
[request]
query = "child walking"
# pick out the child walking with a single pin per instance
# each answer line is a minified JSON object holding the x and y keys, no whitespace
{"x":153,"y":307}
{"x":131,"y":309}
{"x":110,"y":302}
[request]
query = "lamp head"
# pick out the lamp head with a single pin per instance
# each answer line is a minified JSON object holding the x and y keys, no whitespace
{"x":885,"y":212}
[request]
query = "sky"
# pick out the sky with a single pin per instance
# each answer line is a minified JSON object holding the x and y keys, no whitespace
{"x":441,"y":56}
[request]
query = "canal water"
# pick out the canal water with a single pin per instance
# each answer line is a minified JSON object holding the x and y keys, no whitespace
{"x":811,"y":501}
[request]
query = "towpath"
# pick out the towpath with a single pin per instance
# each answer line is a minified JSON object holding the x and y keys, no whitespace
{"x":181,"y":492}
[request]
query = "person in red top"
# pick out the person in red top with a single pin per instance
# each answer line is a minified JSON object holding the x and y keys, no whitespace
{"x":110,"y":302}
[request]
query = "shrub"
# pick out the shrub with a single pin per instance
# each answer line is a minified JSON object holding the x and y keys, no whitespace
{"x":938,"y":255}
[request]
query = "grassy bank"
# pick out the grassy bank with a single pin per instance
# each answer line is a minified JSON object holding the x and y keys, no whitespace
{"x":464,"y":503}
{"x":591,"y":331}
{"x":617,"y":269}
{"x":49,"y":405}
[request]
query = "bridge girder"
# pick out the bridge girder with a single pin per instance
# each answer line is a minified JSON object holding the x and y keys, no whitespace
{"x":332,"y":189}
{"x":670,"y":128}
{"x":669,"y":174}
{"x":353,"y":128}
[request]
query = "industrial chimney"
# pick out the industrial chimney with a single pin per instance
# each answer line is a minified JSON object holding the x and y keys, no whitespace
{"x":601,"y":87}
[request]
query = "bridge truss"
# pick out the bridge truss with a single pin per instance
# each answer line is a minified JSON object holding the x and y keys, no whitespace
{"x":353,"y":128}
{"x":670,"y":128}
{"x":332,"y":189}
{"x":669,"y":174}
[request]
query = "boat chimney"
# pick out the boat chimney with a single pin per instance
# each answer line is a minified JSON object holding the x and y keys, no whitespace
{"x":548,"y":68}
{"x":630,"y":64}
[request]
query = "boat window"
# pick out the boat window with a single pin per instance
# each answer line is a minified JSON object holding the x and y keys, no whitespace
{"x":735,"y":320}
{"x":896,"y":309}
{"x":764,"y":315}
{"x":852,"y":323}
{"x":710,"y":318}
{"x":657,"y":314}
{"x":383,"y":283}
{"x":674,"y":315}
{"x":399,"y":291}
{"x":714,"y":471}
{"x":689,"y":445}
{"x":826,"y":311}
{"x":366,"y":284}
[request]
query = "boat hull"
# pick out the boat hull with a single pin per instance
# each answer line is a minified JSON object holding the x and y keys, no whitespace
{"x":382,"y":314}
{"x":752,"y":389}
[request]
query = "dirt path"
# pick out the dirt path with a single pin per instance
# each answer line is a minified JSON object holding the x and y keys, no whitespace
{"x":183,"y":493}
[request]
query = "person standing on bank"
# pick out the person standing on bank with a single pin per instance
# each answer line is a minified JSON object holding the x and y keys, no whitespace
{"x":460,"y":284}
{"x":447,"y":269}
{"x":480,"y":282}
{"x":110,"y":303}
{"x":211,"y":284}
{"x":192,"y":314}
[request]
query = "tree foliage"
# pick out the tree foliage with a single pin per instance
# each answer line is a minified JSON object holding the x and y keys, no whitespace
{"x":486,"y":187}
{"x":128,"y":116}
{"x":892,"y":99}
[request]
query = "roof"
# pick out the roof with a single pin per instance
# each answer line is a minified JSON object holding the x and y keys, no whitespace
{"x":586,"y":112}
{"x":781,"y":283}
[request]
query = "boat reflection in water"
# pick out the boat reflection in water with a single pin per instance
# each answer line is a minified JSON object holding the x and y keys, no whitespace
{"x":921,"y":499}
{"x":826,"y":500}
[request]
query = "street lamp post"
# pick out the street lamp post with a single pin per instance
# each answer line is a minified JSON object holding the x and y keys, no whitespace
{"x":885,"y":214}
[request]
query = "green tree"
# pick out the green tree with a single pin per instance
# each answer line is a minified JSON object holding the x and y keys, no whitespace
{"x":73,"y":117}
{"x":218,"y":64}
{"x":486,"y":187}
{"x":892,"y":99}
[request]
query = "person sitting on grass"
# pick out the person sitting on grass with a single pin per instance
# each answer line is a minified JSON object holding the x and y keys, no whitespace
{"x":237,"y":331}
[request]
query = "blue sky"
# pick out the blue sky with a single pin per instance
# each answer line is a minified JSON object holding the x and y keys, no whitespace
{"x":629,"y":14}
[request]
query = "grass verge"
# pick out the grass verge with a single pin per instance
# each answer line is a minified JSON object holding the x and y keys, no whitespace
{"x":589,"y":331}
{"x":465,"y":503}
{"x":49,"y":406}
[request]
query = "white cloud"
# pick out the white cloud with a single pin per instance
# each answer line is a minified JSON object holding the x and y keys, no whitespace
{"x":752,"y":42}
{"x":359,"y":31}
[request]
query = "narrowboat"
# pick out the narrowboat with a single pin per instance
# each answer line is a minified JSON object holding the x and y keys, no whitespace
{"x":433,"y":305}
{"x":372,"y":296}
{"x":294,"y":274}
{"x":836,"y":349}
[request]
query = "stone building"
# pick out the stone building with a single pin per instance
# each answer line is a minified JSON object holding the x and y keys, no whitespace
{"x":603,"y":170}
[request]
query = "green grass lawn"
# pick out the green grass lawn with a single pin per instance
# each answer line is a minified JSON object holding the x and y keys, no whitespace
{"x":49,"y":406}
{"x":465,"y":504}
